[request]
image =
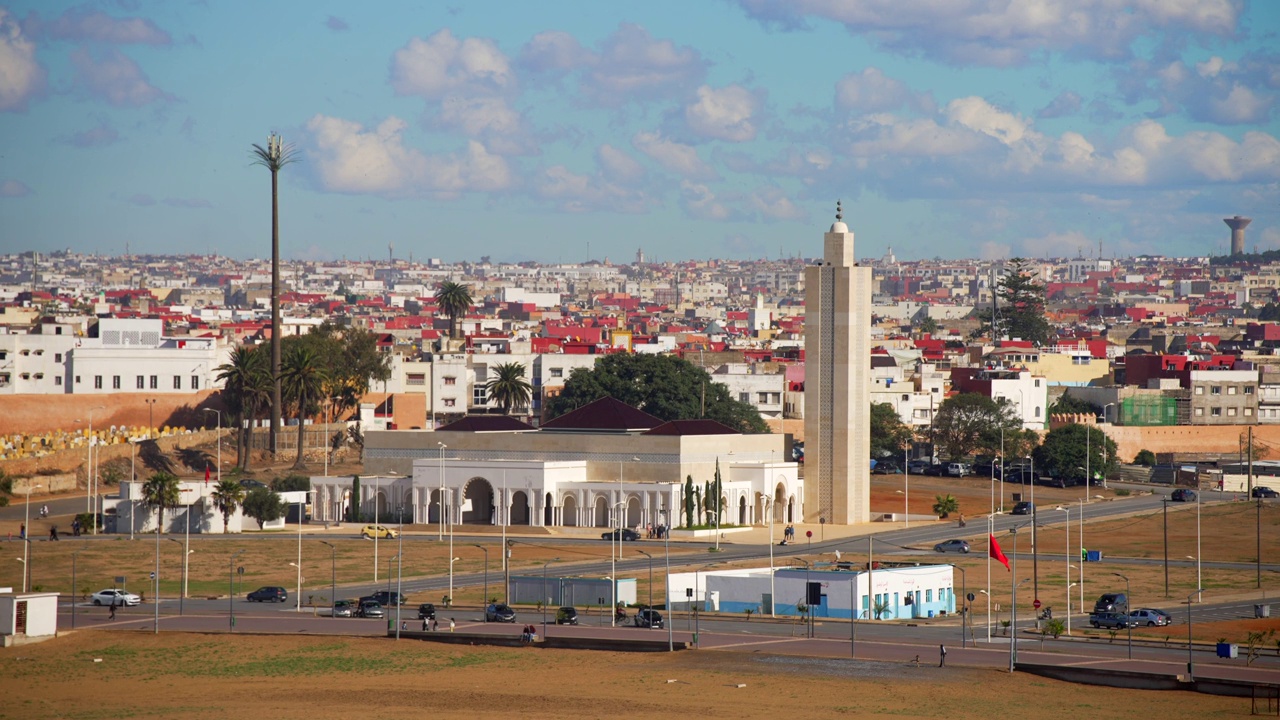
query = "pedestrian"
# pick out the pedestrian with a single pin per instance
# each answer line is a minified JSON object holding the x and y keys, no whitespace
{"x":942,"y":655}
{"x":435,"y":625}
{"x":404,"y":624}
{"x":113,"y":610}
{"x":53,"y":532}
{"x":22,"y":531}
{"x":451,"y":625}
{"x":424,"y":624}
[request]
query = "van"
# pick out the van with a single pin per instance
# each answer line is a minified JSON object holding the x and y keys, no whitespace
{"x":958,"y":470}
{"x":1112,"y":603}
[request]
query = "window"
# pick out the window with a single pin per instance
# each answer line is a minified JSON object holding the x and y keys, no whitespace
{"x":928,"y":595}
{"x":1215,"y":390}
{"x":142,"y":382}
{"x":155,"y":382}
{"x":1231,"y":412}
{"x":905,"y":398}
{"x":1248,"y":389}
{"x":1231,"y":390}
{"x":744,"y":397}
{"x":77,"y":379}
{"x":1249,"y":412}
{"x":416,"y":379}
{"x":479,"y":396}
{"x":1199,"y":389}
{"x":1216,"y":412}
{"x":115,"y":382}
{"x":57,"y":380}
{"x":1037,"y":383}
{"x":177,"y":382}
{"x":97,"y":382}
{"x":449,"y":402}
{"x":1037,"y":411}
{"x":450,"y":380}
{"x":557,"y":372}
{"x":57,"y":357}
{"x":195,"y":382}
{"x":1199,"y":412}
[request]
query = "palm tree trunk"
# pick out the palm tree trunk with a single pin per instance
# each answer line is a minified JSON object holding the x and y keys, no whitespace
{"x":248,"y":443}
{"x":275,"y":311}
{"x":298,"y":463}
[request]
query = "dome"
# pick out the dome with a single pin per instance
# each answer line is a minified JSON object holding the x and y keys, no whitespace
{"x":839,"y":227}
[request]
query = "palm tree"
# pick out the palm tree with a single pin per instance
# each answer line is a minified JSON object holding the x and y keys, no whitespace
{"x":944,"y":505}
{"x":509,"y":389}
{"x":273,"y":157}
{"x":246,"y":389}
{"x":227,"y":497}
{"x":303,"y":377}
{"x":454,"y":299}
{"x":160,"y":491}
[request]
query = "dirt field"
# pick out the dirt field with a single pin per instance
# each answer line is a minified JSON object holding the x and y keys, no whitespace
{"x":198,"y":676}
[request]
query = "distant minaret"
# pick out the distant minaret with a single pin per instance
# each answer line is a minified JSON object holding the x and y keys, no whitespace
{"x":639,"y":256}
{"x":837,"y":332}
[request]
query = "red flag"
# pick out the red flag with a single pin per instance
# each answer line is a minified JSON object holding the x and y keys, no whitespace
{"x":206,"y":474}
{"x":997,"y":553}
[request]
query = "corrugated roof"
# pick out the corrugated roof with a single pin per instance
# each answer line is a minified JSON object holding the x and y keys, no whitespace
{"x":486,"y":423}
{"x":605,"y":414}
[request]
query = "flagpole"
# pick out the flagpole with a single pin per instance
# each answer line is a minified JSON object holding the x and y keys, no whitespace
{"x":991,"y":519}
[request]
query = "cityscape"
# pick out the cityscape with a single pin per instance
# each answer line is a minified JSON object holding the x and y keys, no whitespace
{"x":700,"y":351}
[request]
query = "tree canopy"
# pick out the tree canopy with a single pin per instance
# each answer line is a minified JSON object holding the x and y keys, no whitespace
{"x":665,"y":386}
{"x":889,"y":435}
{"x":1069,"y":404}
{"x":508,"y":388}
{"x":264,"y":505}
{"x":1021,"y":314}
{"x":970,"y":423}
{"x":1063,"y":452}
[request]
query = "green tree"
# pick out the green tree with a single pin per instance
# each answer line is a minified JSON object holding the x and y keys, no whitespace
{"x":246,"y":390}
{"x":291,"y":483}
{"x":927,"y":326}
{"x":303,"y":376}
{"x":227,"y":497}
{"x":1068,"y":404}
{"x":889,"y":435}
{"x":1022,"y":301}
{"x":352,"y":362}
{"x":718,"y":498}
{"x":665,"y":386}
{"x":1063,"y":452}
{"x":160,"y":491}
{"x":453,"y":299}
{"x":968,"y":422}
{"x":1145,"y":458}
{"x":944,"y":505}
{"x":274,"y":157}
{"x":264,"y":505}
{"x":688,"y":501}
{"x":508,"y":388}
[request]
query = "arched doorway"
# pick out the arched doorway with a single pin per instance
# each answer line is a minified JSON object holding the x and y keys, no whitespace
{"x":780,"y":503}
{"x":742,"y":510}
{"x":479,"y":493}
{"x":434,"y":510}
{"x":548,"y":511}
{"x":569,"y":511}
{"x":519,"y":508}
{"x":406,"y":508}
{"x":602,"y":512}
{"x":380,"y":504}
{"x":633,"y":512}
{"x":791,"y":509}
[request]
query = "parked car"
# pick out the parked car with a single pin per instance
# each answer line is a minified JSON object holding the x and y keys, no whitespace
{"x":649,"y":618}
{"x":1150,"y":617}
{"x":1112,"y":602}
{"x":268,"y":594}
{"x":917,"y":467}
{"x":567,"y":615}
{"x":387,"y":597}
{"x":119,"y":597}
{"x":1023,"y":508}
{"x":378,"y":531}
{"x":345,"y":608}
{"x":426,"y":611}
{"x":958,"y":470}
{"x":1183,"y":495}
{"x":886,"y":467}
{"x":1263,"y":491}
{"x":370,"y":609}
{"x":627,"y":534}
{"x":498,"y":612}
{"x":959,"y":546}
{"x":1111,"y":620}
{"x":987,"y":467}
{"x":1021,"y":477}
{"x":936,"y":470}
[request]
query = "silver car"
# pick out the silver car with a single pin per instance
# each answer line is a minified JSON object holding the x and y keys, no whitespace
{"x":119,"y":598}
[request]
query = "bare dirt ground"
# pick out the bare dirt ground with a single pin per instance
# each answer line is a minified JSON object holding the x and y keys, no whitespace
{"x":197,"y":676}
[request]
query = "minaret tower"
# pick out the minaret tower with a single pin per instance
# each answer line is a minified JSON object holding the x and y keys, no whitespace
{"x":837,"y":341}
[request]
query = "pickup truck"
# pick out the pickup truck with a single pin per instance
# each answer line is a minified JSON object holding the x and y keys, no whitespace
{"x":1118,"y":621}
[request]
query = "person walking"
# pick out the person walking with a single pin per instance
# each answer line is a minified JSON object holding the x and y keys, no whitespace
{"x":22,"y":531}
{"x":112,"y":616}
{"x":435,"y":625}
{"x":942,"y":655}
{"x":451,"y":625}
{"x":424,"y":624}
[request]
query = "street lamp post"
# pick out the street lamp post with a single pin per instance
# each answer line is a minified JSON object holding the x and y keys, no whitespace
{"x":159,"y":528}
{"x":333,"y":581}
{"x":485,"y":602}
{"x":613,"y":573}
{"x":74,"y":555}
{"x":964,"y":603}
{"x":1035,"y":545}
{"x":185,"y":553}
{"x":906,"y":483}
{"x":650,"y":582}
{"x":442,"y":447}
{"x":1067,"y":558}
{"x":1013,"y":640}
{"x":545,"y":599}
{"x":1165,"y":503}
{"x":666,"y":584}
{"x":1191,"y":668}
{"x":451,"y":562}
{"x":219,"y":437}
{"x":1127,"y":620}
{"x":231,"y":593}
{"x":26,"y":529}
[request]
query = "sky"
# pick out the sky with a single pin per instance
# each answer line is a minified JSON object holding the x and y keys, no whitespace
{"x":564,"y":131}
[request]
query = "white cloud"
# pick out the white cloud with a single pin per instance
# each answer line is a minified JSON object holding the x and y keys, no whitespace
{"x":553,"y":53}
{"x":616,"y":186}
{"x":774,"y":205}
{"x":618,"y":165}
{"x":872,"y":91}
{"x":100,"y":135}
{"x":723,"y":114}
{"x":10,"y":188}
{"x":443,"y":65}
{"x":673,"y":156}
{"x":887,"y":135}
{"x":1215,"y":91}
{"x":1069,"y":244}
{"x":632,"y":66}
{"x":114,"y":77}
{"x":81,"y":24}
{"x":347,"y":158}
{"x":488,"y":119}
{"x":21,"y":75}
{"x":977,"y":114}
{"x":1003,"y":33}
{"x":1066,"y":103}
{"x":700,"y":202}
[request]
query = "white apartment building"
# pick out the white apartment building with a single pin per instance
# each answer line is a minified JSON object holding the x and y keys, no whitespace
{"x":746,"y":383}
{"x":132,"y":355}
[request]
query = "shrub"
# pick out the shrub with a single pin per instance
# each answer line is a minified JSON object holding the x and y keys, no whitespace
{"x":1145,"y":458}
{"x":1123,"y":492}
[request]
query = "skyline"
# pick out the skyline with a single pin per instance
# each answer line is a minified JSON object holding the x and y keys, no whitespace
{"x":691,"y":131}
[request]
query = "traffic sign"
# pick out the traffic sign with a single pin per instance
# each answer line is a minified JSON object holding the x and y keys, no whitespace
{"x":808,"y":533}
{"x":1036,"y":603}
{"x":972,"y":597}
{"x":153,"y":576}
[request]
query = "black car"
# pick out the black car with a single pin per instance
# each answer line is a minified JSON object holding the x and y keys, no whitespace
{"x":567,"y":615}
{"x":649,"y":618}
{"x":886,"y":467}
{"x":627,"y":534}
{"x":936,"y":470}
{"x":1112,"y":603}
{"x":1262,"y":491}
{"x":268,"y":594}
{"x":1020,"y":476}
{"x":386,"y":597}
{"x":1023,"y":508}
{"x":499,"y":613}
{"x":1183,"y":495}
{"x":426,"y":611}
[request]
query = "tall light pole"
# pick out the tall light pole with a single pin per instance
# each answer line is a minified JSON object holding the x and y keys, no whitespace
{"x":772,"y":593}
{"x":333,"y":581}
{"x":964,"y":602}
{"x":906,"y":482}
{"x":1013,"y":640}
{"x":1067,"y":558}
{"x":159,"y":528}
{"x":88,"y":478}
{"x":546,"y":600}
{"x":1191,"y":668}
{"x":451,"y":562}
{"x":442,"y":447}
{"x":1035,"y":545}
{"x":74,"y":555}
{"x":218,"y":435}
{"x":485,"y":602}
{"x":26,"y":574}
{"x":1127,"y":604}
{"x":1199,"y":580}
{"x":231,"y":592}
{"x":185,"y":553}
{"x":666,"y":583}
{"x":650,"y":581}
{"x":1165,"y":503}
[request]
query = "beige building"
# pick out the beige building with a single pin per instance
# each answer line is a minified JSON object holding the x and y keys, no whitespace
{"x":837,"y":383}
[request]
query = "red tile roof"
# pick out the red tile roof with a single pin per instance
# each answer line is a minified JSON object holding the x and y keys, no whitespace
{"x":605,"y":414}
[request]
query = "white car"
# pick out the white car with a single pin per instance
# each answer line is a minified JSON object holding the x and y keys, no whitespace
{"x":119,"y":597}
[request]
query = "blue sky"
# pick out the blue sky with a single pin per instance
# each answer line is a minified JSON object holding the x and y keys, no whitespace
{"x":558,"y":131}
